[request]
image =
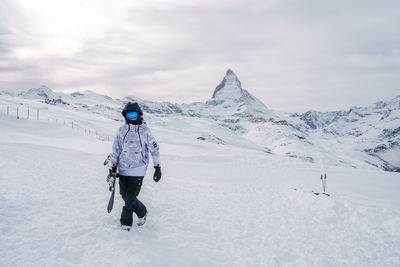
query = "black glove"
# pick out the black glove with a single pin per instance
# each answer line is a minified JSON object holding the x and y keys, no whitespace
{"x":157,"y":173}
{"x":114,"y":169}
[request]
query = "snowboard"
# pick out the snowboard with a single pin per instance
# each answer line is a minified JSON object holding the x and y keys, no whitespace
{"x":112,"y":187}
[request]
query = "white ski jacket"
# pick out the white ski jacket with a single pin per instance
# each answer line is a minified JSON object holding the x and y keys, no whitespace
{"x":131,"y":148}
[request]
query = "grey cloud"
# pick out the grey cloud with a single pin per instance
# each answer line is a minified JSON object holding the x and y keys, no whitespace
{"x":324,"y":55}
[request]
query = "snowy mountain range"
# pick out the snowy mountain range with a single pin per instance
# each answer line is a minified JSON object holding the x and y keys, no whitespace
{"x":362,"y":137}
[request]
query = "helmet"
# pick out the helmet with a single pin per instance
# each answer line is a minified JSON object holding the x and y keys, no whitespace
{"x":132,"y":107}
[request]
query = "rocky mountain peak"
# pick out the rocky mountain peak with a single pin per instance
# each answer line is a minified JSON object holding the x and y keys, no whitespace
{"x":230,"y":98}
{"x":230,"y":72}
{"x":229,"y":88}
{"x":41,"y":92}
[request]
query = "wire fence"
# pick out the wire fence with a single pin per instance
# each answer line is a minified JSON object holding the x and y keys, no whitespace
{"x":23,"y":112}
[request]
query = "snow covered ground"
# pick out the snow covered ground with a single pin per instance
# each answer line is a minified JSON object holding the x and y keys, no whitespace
{"x":216,"y":205}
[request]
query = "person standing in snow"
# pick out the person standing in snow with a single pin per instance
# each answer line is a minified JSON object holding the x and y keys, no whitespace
{"x":130,"y":153}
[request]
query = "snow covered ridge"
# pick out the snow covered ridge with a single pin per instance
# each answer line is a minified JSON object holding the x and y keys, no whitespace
{"x":359,"y":137}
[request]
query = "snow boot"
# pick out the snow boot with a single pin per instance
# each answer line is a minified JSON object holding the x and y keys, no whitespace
{"x":142,"y":220}
{"x":126,"y":227}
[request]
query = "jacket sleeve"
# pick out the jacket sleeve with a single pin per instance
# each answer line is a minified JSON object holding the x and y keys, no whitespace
{"x":116,"y":149}
{"x":154,"y":148}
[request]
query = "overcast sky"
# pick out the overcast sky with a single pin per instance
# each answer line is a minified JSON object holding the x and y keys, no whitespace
{"x":293,"y":55}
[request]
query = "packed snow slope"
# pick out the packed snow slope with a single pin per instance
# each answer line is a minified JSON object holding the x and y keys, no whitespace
{"x":216,"y":204}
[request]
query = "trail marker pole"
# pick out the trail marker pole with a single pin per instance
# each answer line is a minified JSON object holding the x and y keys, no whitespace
{"x":323,"y":180}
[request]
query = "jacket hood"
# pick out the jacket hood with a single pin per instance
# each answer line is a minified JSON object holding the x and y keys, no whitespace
{"x":131,"y":107}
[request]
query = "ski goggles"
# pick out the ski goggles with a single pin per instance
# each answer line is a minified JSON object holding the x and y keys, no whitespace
{"x":132,"y":115}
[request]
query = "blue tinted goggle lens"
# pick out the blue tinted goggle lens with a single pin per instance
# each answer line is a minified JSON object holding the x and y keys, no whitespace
{"x":132,"y":115}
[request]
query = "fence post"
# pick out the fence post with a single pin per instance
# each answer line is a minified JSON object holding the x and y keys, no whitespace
{"x":17,"y":112}
{"x":28,"y":114}
{"x":72,"y":123}
{"x":8,"y":110}
{"x":37,"y":114}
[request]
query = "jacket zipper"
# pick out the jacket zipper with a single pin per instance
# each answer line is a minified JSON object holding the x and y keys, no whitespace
{"x":140,"y":140}
{"x":123,"y":140}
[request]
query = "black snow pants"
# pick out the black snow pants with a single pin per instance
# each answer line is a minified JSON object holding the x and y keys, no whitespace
{"x":129,"y":188}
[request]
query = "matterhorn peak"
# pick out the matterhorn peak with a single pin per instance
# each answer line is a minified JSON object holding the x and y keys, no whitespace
{"x":230,"y":95}
{"x":229,"y":88}
{"x":230,"y":72}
